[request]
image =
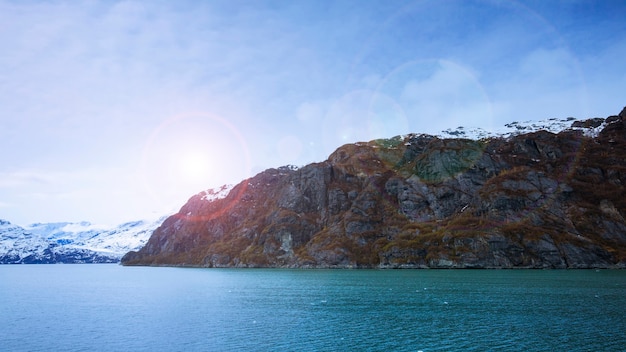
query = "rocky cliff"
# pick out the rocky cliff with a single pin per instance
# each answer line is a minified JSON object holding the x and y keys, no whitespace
{"x":534,"y":200}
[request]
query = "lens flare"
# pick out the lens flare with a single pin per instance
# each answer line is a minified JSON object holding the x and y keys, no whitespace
{"x":190,"y":153}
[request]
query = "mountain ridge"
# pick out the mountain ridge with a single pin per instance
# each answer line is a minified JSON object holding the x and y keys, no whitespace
{"x":528,"y":200}
{"x":71,"y":242}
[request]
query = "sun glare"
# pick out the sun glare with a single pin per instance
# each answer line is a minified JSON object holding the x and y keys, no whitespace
{"x":189,"y":153}
{"x":194,"y":166}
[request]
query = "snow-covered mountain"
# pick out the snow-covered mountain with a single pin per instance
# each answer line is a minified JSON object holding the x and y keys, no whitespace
{"x":590,"y":127}
{"x":83,"y":242}
{"x":66,"y":242}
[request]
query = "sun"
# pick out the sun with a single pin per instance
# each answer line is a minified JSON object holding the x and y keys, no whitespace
{"x":194,"y":166}
{"x":189,"y":153}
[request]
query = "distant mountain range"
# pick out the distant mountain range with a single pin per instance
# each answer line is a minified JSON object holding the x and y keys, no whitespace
{"x":66,"y":242}
{"x":533,"y":195}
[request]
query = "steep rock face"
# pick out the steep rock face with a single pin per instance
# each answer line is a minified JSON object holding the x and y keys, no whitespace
{"x":536,"y":200}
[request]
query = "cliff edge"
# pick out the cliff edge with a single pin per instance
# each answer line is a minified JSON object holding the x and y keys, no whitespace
{"x":534,"y":200}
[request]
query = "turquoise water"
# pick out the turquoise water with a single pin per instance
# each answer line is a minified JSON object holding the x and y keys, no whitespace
{"x":113,"y":308}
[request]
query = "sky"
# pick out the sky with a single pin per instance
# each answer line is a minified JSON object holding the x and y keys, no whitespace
{"x":112,"y":111}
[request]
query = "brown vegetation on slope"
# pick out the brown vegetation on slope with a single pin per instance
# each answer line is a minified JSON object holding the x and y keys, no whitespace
{"x":538,"y":200}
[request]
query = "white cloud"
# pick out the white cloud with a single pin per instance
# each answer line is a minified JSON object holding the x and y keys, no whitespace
{"x":289,"y":149}
{"x":98,"y":195}
{"x":438,"y":94}
{"x":311,"y":111}
{"x":605,"y":78}
{"x":362,"y":115}
{"x":84,"y":85}
{"x":19,"y":178}
{"x":553,"y":67}
{"x":546,"y":83}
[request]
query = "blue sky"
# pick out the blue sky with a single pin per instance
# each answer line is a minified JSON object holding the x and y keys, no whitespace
{"x":120,"y":110}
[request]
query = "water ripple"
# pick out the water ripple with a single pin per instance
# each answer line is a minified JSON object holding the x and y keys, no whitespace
{"x":111,"y":308}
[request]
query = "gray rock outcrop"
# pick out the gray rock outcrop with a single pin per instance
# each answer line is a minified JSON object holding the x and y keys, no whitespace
{"x":535,"y":200}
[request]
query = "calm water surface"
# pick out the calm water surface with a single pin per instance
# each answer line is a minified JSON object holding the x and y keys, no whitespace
{"x":113,"y":308}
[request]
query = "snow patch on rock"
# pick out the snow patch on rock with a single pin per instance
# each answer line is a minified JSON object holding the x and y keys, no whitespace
{"x":217,"y":193}
{"x":514,"y":128}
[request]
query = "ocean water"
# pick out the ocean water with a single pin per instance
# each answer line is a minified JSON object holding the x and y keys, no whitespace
{"x":107,"y":307}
